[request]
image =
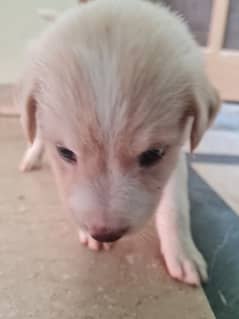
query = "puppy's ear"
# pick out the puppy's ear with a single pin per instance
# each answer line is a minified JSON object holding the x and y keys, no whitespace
{"x":204,"y":106}
{"x":25,"y":99}
{"x":29,"y":118}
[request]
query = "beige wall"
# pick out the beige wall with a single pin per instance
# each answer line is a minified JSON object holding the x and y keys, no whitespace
{"x":19,"y":23}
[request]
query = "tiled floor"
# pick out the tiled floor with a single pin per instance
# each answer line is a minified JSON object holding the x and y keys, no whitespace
{"x":46,"y":274}
{"x":43,"y":271}
{"x":215,"y":209}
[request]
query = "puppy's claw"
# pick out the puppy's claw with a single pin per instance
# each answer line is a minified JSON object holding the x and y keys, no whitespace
{"x":186,"y":264}
{"x":92,"y":244}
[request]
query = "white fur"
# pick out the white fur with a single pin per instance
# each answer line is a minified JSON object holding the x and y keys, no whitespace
{"x":182,"y":258}
{"x":110,"y":80}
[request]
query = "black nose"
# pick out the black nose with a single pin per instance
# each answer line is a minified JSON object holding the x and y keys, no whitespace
{"x":108,"y":236}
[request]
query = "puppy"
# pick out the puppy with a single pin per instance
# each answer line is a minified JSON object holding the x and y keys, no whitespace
{"x":112,"y":91}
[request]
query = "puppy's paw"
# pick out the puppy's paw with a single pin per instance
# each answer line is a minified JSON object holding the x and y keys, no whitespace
{"x":185,"y":263}
{"x":92,"y":244}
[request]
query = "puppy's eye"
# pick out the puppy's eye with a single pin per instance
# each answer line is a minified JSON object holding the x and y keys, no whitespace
{"x":67,"y":154}
{"x":151,"y":157}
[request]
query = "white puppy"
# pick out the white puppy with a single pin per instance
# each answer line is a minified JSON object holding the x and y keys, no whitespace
{"x":110,"y":91}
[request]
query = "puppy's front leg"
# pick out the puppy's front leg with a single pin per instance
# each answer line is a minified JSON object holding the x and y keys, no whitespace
{"x":183,"y":260}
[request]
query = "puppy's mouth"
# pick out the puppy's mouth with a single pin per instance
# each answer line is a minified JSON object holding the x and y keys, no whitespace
{"x":109,"y":237}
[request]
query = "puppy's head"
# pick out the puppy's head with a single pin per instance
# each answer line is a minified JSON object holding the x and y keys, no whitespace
{"x":112,"y":88}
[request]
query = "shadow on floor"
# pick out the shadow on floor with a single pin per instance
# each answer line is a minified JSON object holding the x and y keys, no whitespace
{"x":216,"y":231}
{"x":215,"y":159}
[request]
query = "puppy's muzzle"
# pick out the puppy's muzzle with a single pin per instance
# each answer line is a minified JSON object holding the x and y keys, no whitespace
{"x":108,"y":236}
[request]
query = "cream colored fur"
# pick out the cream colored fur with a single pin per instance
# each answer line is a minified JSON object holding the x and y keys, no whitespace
{"x":110,"y":80}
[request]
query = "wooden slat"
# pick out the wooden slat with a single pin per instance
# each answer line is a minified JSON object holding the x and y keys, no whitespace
{"x":222,"y":65}
{"x":223,"y":70}
{"x":218,"y":24}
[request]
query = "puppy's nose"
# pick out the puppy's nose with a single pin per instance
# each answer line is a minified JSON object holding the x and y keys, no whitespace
{"x":107,"y":236}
